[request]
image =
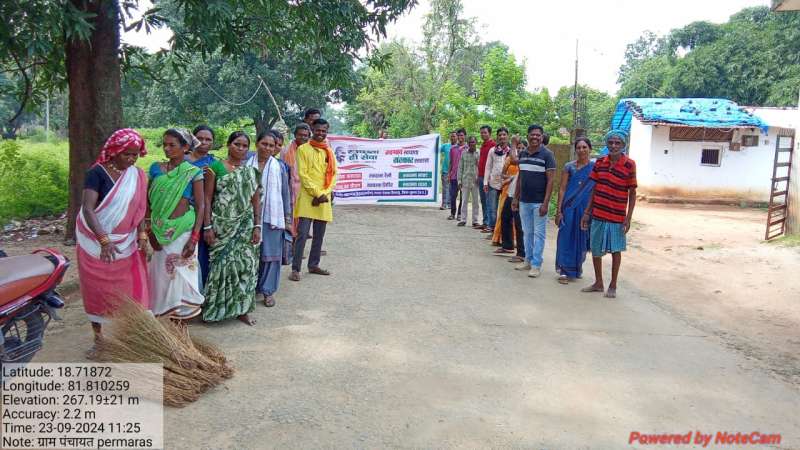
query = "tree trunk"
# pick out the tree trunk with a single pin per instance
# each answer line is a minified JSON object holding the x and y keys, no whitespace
{"x":263,"y":124}
{"x":95,"y":95}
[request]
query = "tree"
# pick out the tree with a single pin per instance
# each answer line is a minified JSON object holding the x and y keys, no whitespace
{"x":416,"y":90}
{"x":600,"y":108}
{"x":79,"y":41}
{"x":223,"y":89}
{"x":753,"y":59}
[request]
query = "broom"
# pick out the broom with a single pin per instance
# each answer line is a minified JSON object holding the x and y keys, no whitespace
{"x":135,"y":336}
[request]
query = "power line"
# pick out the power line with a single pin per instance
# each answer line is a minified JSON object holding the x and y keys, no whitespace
{"x":261,"y":83}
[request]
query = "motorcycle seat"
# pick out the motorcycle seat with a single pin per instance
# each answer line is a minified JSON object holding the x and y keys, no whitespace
{"x":21,"y":274}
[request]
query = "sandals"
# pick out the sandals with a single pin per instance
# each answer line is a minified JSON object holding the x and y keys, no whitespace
{"x":563,"y":279}
{"x":610,"y":293}
{"x":461,"y":224}
{"x":318,"y":271}
{"x":294,"y":276}
{"x":269,"y":301}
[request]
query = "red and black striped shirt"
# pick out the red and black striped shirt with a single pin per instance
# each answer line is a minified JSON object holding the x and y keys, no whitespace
{"x":612,"y":183}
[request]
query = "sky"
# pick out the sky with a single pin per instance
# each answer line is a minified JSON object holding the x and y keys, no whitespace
{"x":543,"y":33}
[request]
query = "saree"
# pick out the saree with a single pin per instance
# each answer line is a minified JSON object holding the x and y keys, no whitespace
{"x":104,"y":284}
{"x":509,"y":170}
{"x":573,"y":243}
{"x":202,"y":247}
{"x":174,"y":280}
{"x":231,"y":287}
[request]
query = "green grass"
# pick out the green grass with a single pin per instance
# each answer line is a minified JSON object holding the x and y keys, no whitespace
{"x":34,"y":175}
{"x":787,"y":241}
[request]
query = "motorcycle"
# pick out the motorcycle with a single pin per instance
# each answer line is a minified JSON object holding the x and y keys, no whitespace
{"x":28,"y":301}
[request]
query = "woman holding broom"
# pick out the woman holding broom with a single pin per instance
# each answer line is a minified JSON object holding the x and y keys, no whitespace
{"x":110,"y":230}
{"x":176,"y":211}
{"x":276,"y":204}
{"x":234,"y":234}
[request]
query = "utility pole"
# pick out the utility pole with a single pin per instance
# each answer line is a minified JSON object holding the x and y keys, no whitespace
{"x":577,"y":129}
{"x":47,"y":118}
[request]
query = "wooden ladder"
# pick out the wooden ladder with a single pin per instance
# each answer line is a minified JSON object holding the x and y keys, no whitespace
{"x":779,"y":190}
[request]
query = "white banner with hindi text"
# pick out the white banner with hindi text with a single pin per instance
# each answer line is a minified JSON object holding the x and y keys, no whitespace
{"x":386,"y":170}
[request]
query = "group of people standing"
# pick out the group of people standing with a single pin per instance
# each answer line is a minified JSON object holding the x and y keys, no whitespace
{"x":512,"y":179}
{"x":196,"y":235}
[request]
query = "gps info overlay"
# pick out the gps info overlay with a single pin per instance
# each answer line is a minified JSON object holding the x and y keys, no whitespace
{"x":77,"y":406}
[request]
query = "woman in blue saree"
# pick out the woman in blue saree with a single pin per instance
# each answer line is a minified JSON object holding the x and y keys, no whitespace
{"x":201,"y":157}
{"x":576,"y":189}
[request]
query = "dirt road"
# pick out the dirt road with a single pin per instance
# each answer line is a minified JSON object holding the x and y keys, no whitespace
{"x":421,"y":338}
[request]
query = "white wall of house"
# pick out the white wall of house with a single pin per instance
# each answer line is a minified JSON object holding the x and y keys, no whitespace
{"x":673,"y":168}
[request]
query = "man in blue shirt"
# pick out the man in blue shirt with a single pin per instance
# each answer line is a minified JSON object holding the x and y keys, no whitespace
{"x":444,"y":156}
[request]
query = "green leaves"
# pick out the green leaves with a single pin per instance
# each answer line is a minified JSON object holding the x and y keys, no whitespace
{"x":754,"y":59}
{"x":322,"y":37}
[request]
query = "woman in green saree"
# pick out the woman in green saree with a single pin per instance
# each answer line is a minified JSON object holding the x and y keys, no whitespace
{"x":175,"y":211}
{"x":234,"y":236}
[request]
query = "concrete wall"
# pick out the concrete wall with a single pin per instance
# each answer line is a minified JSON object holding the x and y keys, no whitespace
{"x":673,"y":169}
{"x":793,"y":213}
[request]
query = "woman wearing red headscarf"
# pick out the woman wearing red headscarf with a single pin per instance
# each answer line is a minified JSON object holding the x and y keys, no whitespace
{"x":110,"y":229}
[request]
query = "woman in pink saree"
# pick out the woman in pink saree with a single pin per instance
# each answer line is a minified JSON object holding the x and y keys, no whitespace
{"x":110,"y":230}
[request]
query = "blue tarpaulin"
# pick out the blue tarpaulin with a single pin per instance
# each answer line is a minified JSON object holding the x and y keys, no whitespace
{"x":694,"y":112}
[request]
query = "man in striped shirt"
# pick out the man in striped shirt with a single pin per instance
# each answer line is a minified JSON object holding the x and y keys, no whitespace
{"x":610,"y":209}
{"x":537,"y":166}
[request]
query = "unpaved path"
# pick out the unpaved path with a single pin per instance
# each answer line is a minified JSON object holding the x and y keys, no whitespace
{"x":421,"y":338}
{"x":710,"y":266}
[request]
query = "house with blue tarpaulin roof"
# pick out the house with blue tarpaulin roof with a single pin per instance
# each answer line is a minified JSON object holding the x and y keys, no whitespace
{"x":703,"y":148}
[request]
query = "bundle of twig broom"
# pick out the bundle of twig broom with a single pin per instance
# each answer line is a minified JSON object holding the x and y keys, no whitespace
{"x":191,"y":366}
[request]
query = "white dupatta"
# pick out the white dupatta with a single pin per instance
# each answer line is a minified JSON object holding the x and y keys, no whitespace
{"x":111,"y":211}
{"x":271,"y":195}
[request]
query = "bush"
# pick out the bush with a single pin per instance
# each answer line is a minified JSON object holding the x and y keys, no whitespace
{"x":34,"y":174}
{"x":31,"y":185}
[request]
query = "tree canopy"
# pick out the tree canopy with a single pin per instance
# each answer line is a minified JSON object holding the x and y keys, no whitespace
{"x":50,"y":44}
{"x":753,"y":59}
{"x":454,"y":80}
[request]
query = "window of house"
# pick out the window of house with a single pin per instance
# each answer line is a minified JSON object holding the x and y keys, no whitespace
{"x":749,"y":141}
{"x":711,"y":157}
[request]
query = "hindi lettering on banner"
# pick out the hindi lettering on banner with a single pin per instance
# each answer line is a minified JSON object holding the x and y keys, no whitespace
{"x":386,"y":170}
